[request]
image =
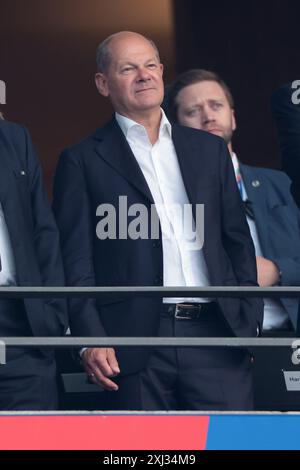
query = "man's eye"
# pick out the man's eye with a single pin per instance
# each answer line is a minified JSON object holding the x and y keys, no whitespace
{"x":127,"y":69}
{"x":217,"y":106}
{"x":151,"y":66}
{"x":193,"y":112}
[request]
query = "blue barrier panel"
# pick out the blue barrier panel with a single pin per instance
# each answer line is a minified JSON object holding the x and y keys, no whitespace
{"x":254,"y":432}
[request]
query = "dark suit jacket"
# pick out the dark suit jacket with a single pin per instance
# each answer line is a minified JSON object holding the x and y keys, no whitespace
{"x":278,"y":224}
{"x":32,"y":229}
{"x":101,"y":168}
{"x":287,"y":116}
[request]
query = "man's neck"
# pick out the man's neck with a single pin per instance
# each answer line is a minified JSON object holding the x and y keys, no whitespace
{"x":150,"y":120}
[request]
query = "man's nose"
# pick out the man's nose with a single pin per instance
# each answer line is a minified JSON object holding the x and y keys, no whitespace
{"x":207,"y":116}
{"x":143,"y":74}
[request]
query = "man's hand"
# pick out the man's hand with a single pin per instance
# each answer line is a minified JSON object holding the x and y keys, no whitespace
{"x":99,"y":364}
{"x":267,"y":272}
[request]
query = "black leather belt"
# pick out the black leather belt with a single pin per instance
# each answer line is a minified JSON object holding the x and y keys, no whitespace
{"x":187,"y":311}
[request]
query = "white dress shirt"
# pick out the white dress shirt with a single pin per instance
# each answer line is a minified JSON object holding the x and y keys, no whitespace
{"x":182,"y":266}
{"x":275,"y":315}
{"x":8,"y":269}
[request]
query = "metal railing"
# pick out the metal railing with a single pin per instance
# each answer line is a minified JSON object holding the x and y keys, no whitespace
{"x":158,"y":292}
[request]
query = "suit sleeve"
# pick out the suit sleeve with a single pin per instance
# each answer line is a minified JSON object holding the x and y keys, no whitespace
{"x":236,"y":237}
{"x":45,"y":233}
{"x":286,"y":111}
{"x":73,"y":214}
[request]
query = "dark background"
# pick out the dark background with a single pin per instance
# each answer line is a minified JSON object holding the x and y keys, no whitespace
{"x":47,"y":59}
{"x":254,"y":45}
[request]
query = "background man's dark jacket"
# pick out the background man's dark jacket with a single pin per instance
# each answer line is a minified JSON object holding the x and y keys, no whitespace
{"x":277,"y":220}
{"x":32,"y":229}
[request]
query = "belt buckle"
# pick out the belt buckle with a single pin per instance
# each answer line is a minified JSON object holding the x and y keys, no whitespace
{"x":180,"y":316}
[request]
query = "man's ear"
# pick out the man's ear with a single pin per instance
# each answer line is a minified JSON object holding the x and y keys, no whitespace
{"x":101,"y":84}
{"x":233,"y":120}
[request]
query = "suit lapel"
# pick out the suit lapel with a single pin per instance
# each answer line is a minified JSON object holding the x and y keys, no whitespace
{"x":113,"y":147}
{"x":187,"y":158}
{"x":195,"y":181}
{"x":254,"y":185}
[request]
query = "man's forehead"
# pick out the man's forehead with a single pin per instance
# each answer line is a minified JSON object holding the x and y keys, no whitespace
{"x":132,"y":58}
{"x":204,"y":90}
{"x":132,"y":50}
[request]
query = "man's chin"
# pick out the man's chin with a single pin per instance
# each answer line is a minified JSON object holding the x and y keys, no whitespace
{"x":216,"y":132}
{"x":148,"y":105}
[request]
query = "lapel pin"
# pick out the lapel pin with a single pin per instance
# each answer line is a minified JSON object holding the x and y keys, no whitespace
{"x":255,"y":183}
{"x":23,"y":173}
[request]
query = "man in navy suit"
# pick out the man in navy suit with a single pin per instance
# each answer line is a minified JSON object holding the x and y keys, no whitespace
{"x":30,"y":256}
{"x":200,"y":99}
{"x":285,"y":103}
{"x":140,"y":165}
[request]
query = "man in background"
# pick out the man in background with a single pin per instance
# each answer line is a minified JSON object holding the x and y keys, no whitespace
{"x":202,"y":100}
{"x":30,"y":256}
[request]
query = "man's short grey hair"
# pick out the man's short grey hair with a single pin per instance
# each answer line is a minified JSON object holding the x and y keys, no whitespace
{"x":103,"y":57}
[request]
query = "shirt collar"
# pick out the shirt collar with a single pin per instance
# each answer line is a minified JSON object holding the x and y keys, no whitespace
{"x":235,"y":163}
{"x":127,"y":124}
{"x":238,"y":177}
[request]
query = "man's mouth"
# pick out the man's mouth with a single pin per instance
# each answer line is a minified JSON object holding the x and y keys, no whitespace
{"x":144,"y":89}
{"x":213,"y":130}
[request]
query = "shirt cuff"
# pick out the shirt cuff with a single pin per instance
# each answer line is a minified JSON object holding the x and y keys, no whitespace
{"x":81,"y":351}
